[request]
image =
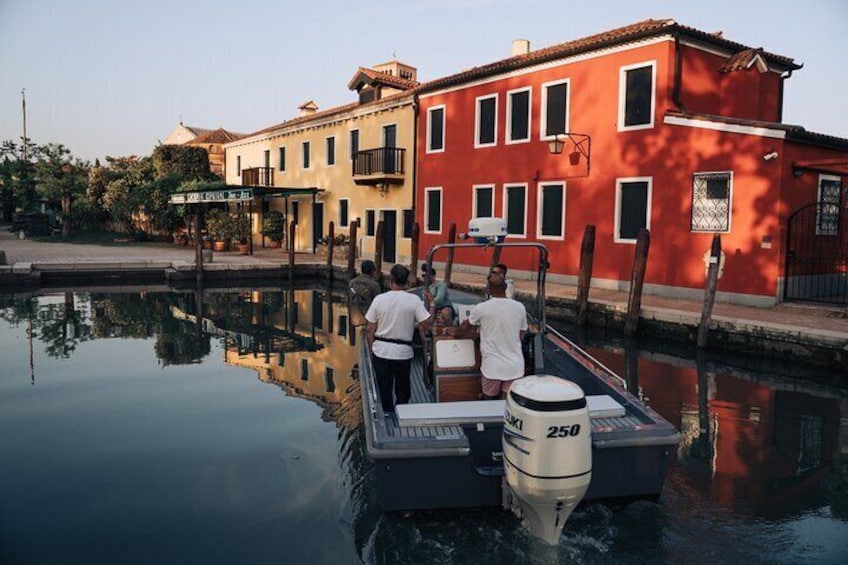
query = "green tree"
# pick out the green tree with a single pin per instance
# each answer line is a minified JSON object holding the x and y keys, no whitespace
{"x":61,"y":180}
{"x":117,"y":188}
{"x":187,"y":162}
{"x":17,"y":177}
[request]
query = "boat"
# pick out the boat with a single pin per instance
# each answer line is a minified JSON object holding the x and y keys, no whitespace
{"x":449,"y":449}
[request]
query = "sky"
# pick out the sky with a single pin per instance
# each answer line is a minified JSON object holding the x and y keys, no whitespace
{"x":114,"y":77}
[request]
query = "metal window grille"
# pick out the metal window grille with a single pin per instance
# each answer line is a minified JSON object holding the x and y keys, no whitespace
{"x":711,"y":202}
{"x":827,"y":212}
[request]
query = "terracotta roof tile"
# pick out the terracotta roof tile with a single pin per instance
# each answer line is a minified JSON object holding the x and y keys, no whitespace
{"x":617,"y":36}
{"x":219,"y":135}
{"x":741,"y":60}
{"x":372,"y":76}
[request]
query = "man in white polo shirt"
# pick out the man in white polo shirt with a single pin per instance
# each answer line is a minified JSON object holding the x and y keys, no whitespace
{"x":392,"y":319}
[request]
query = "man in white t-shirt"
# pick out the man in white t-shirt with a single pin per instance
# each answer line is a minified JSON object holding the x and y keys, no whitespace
{"x":392,"y":319}
{"x":502,"y":323}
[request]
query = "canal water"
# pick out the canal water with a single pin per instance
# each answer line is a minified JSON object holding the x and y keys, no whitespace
{"x":224,"y":426}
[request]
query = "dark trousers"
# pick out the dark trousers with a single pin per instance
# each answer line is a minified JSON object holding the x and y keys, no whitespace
{"x":393,"y":373}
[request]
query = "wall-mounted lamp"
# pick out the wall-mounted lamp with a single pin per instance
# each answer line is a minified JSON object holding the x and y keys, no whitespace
{"x":582,"y":147}
{"x":770,"y":156}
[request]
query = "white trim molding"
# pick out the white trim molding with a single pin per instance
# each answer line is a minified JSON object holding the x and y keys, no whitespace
{"x":700,"y":123}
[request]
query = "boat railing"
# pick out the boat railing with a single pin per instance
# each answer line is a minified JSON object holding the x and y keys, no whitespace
{"x":585,"y":355}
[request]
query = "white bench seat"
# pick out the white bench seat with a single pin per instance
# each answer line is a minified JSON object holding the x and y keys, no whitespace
{"x":485,"y":411}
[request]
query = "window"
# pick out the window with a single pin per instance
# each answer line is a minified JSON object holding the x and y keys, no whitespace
{"x":486,"y":127}
{"x":342,"y":325}
{"x":554,"y":109}
{"x":515,"y":209}
{"x":238,"y":165}
{"x":295,"y":205}
{"x":711,"y":202}
{"x":484,"y":201}
{"x":267,"y":158}
{"x":436,"y":129}
{"x":518,"y":110}
{"x":408,"y":221}
{"x":304,"y":369}
{"x":305,"y":154}
{"x":354,"y":143}
{"x":329,"y":383}
{"x":827,"y":211}
{"x":632,"y":208}
{"x":551,"y":220}
{"x":282,"y":158}
{"x":370,"y":223}
{"x":331,"y":151}
{"x":317,"y":310}
{"x":344,"y":212}
{"x":433,"y":210}
{"x":636,"y":96}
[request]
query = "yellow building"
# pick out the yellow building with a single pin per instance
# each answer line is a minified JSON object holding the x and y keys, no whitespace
{"x":345,"y":164}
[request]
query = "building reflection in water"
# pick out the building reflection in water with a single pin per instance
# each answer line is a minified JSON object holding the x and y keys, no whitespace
{"x":751,"y":441}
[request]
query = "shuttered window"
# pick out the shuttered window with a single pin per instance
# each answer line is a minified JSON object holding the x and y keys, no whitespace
{"x":519,"y":115}
{"x":638,"y":96}
{"x":515,"y":200}
{"x":556,"y":108}
{"x":486,"y":121}
{"x":484,"y":206}
{"x":551,"y":210}
{"x":632,"y":199}
{"x":433,"y":210}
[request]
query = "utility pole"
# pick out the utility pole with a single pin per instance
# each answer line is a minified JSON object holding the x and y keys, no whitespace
{"x":23,"y":106}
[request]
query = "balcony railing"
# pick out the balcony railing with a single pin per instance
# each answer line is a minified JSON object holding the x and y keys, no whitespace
{"x":379,"y":162}
{"x":257,"y":176}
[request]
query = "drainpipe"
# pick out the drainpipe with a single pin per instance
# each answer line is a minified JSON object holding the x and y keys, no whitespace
{"x":415,"y":110}
{"x":678,"y":74}
{"x":783,"y":78}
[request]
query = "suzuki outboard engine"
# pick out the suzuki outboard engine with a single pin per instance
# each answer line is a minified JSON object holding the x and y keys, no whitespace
{"x":547,"y":451}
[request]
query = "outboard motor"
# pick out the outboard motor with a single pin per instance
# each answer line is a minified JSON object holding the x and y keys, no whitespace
{"x":547,"y":452}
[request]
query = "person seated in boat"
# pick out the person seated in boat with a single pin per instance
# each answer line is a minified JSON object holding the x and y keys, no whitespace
{"x":501,"y":323}
{"x":392,"y":319}
{"x":501,"y":269}
{"x":443,"y":319}
{"x":436,"y":293}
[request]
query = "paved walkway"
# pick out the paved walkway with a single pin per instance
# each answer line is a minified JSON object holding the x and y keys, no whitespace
{"x":830,"y":322}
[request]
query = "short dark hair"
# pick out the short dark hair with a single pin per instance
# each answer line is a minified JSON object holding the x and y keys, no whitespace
{"x":502,"y":267}
{"x":496,"y":281}
{"x":368,"y":267}
{"x":400,"y":275}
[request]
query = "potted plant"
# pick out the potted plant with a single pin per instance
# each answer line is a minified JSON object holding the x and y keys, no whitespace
{"x":219,"y":225}
{"x":241,"y":232}
{"x":274,"y":227}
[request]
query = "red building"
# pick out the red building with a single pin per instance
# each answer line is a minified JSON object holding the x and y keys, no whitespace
{"x":664,"y":127}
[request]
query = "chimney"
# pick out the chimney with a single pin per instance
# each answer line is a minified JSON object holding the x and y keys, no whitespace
{"x":308,"y":108}
{"x":520,"y":47}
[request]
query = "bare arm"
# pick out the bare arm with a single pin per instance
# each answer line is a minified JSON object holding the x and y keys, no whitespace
{"x":465,"y":329}
{"x":370,"y":330}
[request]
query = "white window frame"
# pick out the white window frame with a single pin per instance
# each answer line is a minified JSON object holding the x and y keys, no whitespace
{"x":430,"y":111}
{"x":427,"y":192}
{"x":508,"y":124}
{"x":477,"y":102}
{"x":505,"y":201}
{"x":622,"y":94}
{"x":327,"y":150}
{"x":729,"y":200}
{"x":823,"y":177}
{"x":618,"y":183}
{"x":474,"y":189}
{"x":539,"y":210}
{"x":347,"y":225}
{"x":543,"y":119}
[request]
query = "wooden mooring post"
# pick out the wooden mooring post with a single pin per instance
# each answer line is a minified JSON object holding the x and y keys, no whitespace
{"x":351,"y":251}
{"x":584,"y":278}
{"x":449,"y":265}
{"x":710,"y":291}
{"x":413,"y":260}
{"x":637,"y":279}
{"x":331,"y":236}
{"x":198,"y":249}
{"x":292,"y":230}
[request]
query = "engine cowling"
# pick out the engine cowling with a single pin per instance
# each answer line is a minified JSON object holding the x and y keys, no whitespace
{"x":547,"y":447}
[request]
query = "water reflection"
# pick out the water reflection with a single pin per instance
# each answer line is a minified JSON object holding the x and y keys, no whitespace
{"x":763,"y":463}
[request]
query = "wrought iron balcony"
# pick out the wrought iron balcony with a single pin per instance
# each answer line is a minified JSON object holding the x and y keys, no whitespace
{"x":257,"y":176}
{"x":383,"y":166}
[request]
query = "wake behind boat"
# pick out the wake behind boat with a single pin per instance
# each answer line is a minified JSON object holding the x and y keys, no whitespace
{"x":533,"y":453}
